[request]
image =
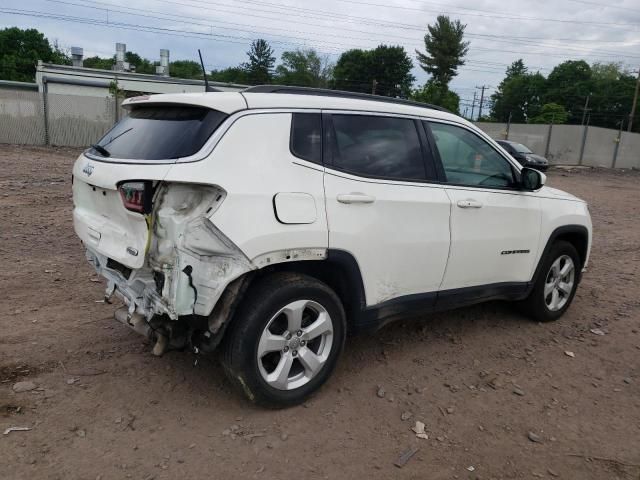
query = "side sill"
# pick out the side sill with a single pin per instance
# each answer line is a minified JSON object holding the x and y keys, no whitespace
{"x":410,"y":306}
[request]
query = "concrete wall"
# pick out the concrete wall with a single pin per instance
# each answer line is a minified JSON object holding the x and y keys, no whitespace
{"x":79,"y":121}
{"x":565,"y":144}
{"x":599,"y":147}
{"x":629,"y":151}
{"x":21,"y":117}
{"x":494,"y":130}
{"x":533,"y":136}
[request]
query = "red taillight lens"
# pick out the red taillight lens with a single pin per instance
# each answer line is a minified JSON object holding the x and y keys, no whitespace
{"x":135,"y":196}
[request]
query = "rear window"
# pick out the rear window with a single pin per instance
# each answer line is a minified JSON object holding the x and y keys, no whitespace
{"x":156,"y":132}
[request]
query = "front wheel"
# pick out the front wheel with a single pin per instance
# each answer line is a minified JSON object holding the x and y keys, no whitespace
{"x":555,"y":285}
{"x":285,"y":340}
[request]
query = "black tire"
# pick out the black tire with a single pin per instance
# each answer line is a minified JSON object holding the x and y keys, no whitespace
{"x":535,"y":306}
{"x":261,"y":302}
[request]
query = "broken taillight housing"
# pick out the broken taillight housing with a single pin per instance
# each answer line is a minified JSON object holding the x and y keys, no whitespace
{"x":136,"y":196}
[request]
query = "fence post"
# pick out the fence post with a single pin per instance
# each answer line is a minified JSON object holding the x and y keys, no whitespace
{"x":617,"y":147}
{"x":546,"y":147}
{"x":506,"y":136}
{"x":115,"y":101}
{"x":45,"y":109}
{"x":584,"y":142}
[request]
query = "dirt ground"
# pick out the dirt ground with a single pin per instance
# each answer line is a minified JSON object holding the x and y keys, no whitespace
{"x":484,"y":380}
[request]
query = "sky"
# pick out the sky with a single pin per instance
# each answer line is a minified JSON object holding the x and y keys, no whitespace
{"x":543,"y":32}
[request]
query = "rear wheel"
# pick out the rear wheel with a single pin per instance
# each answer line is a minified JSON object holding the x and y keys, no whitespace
{"x":556,"y":284}
{"x":285,"y":340}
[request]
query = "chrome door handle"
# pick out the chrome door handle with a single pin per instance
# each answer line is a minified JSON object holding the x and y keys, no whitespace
{"x":469,"y":204}
{"x":355,"y":198}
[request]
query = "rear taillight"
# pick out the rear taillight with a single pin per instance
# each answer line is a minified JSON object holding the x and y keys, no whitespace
{"x":136,"y":196}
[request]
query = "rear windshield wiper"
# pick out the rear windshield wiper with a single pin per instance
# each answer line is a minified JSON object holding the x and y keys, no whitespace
{"x":101,"y":150}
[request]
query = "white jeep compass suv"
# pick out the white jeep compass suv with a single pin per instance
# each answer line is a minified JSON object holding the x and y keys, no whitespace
{"x":270,"y":222}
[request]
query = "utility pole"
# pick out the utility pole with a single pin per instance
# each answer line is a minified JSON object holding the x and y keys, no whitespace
{"x":374,"y":84}
{"x":585,"y":109}
{"x":481,"y":100}
{"x":635,"y":100}
{"x":473,"y":105}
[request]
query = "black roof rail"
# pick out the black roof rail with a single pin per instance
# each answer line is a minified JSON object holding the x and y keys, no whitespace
{"x":325,"y":92}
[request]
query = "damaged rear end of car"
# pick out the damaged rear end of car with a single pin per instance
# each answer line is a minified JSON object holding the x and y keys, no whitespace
{"x":151,"y":234}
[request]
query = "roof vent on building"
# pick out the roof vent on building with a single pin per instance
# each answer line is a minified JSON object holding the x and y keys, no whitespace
{"x":77,"y":55}
{"x":163,"y":68}
{"x":121,"y":65}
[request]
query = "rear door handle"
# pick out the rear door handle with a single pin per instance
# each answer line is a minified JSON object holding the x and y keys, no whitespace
{"x":469,"y":204}
{"x":355,"y":198}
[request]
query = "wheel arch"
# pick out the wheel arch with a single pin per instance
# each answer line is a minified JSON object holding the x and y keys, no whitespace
{"x":576,"y":235}
{"x":339,"y":270}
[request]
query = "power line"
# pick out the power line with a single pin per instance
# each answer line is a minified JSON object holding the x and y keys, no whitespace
{"x":492,"y":14}
{"x":324,"y":42}
{"x":605,"y":6}
{"x":305,"y":12}
{"x":319,"y":14}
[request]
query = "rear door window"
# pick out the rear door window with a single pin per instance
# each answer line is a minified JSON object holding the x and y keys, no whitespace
{"x":378,"y":146}
{"x":158,"y":132}
{"x":306,"y":136}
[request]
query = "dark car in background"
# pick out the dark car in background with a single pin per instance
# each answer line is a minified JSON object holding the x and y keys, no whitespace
{"x":524,"y":155}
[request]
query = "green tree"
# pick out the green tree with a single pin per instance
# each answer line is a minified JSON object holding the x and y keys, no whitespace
{"x":389,"y":66}
{"x":551,"y":113}
{"x":185,"y":69}
{"x":99,"y":62}
{"x":519,"y":95}
{"x":230,"y":75}
{"x":437,"y":94}
{"x":569,"y":84}
{"x":612,"y":89}
{"x":445,"y":49}
{"x":352,"y":72}
{"x":304,"y":68}
{"x":142,"y":65}
{"x":515,"y":69}
{"x":20,"y":51}
{"x":259,"y":68}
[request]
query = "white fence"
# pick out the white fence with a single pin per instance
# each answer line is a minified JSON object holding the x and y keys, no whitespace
{"x":29,"y":117}
{"x":573,"y":144}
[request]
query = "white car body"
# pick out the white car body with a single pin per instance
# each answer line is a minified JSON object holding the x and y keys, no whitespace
{"x":244,"y":202}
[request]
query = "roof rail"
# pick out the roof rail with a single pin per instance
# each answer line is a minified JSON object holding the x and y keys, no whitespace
{"x":337,"y":93}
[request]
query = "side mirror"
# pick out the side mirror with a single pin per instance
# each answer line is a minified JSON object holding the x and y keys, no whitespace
{"x":531,"y":179}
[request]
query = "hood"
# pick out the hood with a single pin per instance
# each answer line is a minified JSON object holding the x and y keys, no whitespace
{"x":532,"y":157}
{"x":557,"y":193}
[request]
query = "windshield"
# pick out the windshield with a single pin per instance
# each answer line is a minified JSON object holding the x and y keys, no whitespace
{"x":520,"y":148}
{"x":157,"y":132}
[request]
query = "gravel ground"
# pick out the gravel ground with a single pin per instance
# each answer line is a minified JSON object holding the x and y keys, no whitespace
{"x":499,"y":395}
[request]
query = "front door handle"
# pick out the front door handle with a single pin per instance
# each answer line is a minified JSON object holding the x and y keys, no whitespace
{"x":469,"y":204}
{"x":355,"y":198}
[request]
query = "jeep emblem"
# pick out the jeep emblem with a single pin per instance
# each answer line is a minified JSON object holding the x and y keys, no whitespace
{"x":88,"y":169}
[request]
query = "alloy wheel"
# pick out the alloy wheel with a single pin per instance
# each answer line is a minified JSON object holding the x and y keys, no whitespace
{"x":559,"y":283}
{"x":295,"y":344}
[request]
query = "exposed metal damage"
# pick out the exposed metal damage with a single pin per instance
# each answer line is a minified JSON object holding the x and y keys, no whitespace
{"x":192,"y":276}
